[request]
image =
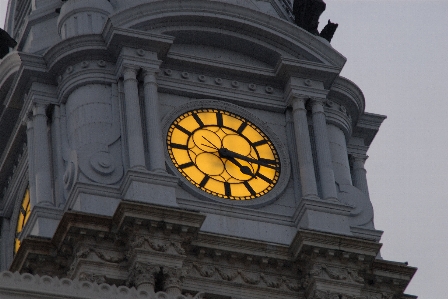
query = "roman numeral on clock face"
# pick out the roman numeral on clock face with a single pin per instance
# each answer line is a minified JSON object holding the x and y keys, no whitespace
{"x":249,"y":188}
{"x":219,"y":119}
{"x":179,"y":146}
{"x":227,"y":190}
{"x":198,"y":120}
{"x":242,"y":127}
{"x":186,"y":165}
{"x":258,"y":143}
{"x":182,"y":129}
{"x":204,"y":181}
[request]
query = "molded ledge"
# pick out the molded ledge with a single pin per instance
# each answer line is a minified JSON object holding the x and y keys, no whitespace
{"x":361,"y":250}
{"x":43,"y":221}
{"x":323,"y":216}
{"x":151,"y":188}
{"x":365,"y":233}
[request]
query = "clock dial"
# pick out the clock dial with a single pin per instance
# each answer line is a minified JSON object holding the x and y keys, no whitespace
{"x":223,"y":154}
{"x":24,"y":214}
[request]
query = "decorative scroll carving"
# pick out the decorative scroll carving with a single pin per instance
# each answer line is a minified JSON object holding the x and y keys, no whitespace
{"x":249,"y":278}
{"x":205,"y":271}
{"x":157,"y":245}
{"x":85,"y":252}
{"x":227,"y":274}
{"x":355,"y":276}
{"x":336,"y":273}
{"x":271,"y":282}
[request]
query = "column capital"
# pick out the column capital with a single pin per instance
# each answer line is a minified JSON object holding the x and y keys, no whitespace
{"x":27,"y":119}
{"x":129,"y":73}
{"x":317,"y":101}
{"x":143,"y":274}
{"x":358,"y":158}
{"x":149,"y":75}
{"x":40,"y":109}
{"x":298,"y":102}
{"x":317,"y":105}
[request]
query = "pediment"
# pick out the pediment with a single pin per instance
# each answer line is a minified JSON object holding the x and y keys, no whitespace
{"x":231,"y":27}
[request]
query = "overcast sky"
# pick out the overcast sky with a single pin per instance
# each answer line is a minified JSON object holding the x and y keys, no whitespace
{"x":397,"y":54}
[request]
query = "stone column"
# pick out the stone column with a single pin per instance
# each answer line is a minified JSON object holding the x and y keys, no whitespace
{"x":324,"y":162}
{"x":42,"y":162}
{"x":359,"y":173}
{"x":303,"y":144}
{"x":133,"y":120}
{"x":173,"y":281}
{"x":142,"y":276}
{"x":154,"y":130}
{"x":30,"y":143}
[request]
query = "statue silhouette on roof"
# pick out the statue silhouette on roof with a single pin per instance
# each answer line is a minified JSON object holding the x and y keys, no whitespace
{"x":6,"y":42}
{"x":307,"y":13}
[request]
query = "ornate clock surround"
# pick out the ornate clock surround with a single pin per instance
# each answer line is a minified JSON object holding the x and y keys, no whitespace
{"x":284,"y":171}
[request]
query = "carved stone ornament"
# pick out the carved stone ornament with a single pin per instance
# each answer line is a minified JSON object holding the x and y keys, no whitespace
{"x":147,"y":242}
{"x":142,"y":273}
{"x":174,"y":277}
{"x":336,"y":273}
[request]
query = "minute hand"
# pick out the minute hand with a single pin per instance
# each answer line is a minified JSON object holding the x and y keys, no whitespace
{"x":228,"y":153}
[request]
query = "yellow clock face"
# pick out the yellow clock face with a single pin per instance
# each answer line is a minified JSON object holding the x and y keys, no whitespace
{"x":223,"y":154}
{"x":24,"y":214}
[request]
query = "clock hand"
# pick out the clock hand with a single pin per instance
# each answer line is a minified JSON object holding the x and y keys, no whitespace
{"x":208,"y":146}
{"x":214,"y":146}
{"x":244,"y":169}
{"x":228,"y":153}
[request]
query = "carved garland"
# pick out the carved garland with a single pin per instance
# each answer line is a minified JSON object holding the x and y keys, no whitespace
{"x":275,"y":282}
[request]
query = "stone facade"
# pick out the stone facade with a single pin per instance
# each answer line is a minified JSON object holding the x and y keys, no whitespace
{"x":89,"y":95}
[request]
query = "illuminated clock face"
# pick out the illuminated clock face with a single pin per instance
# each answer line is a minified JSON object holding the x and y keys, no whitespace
{"x":24,"y":214}
{"x":223,"y":154}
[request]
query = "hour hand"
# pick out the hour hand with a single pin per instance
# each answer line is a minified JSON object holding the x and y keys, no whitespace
{"x":226,"y":153}
{"x":244,"y":169}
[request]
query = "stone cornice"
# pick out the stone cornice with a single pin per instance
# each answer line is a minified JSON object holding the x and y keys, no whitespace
{"x":32,"y":69}
{"x":310,"y":241}
{"x":293,"y":67}
{"x":116,"y":38}
{"x":367,"y":127}
{"x":234,"y":245}
{"x":131,"y":212}
{"x":74,"y":50}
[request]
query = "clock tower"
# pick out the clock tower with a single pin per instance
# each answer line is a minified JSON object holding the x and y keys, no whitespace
{"x":183,"y":149}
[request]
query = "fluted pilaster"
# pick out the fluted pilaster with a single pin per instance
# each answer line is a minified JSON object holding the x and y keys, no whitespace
{"x":304,"y":153}
{"x":133,"y":120}
{"x":58,"y":160}
{"x":154,"y":130}
{"x":42,"y":162}
{"x":325,"y":166}
{"x":30,"y":144}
